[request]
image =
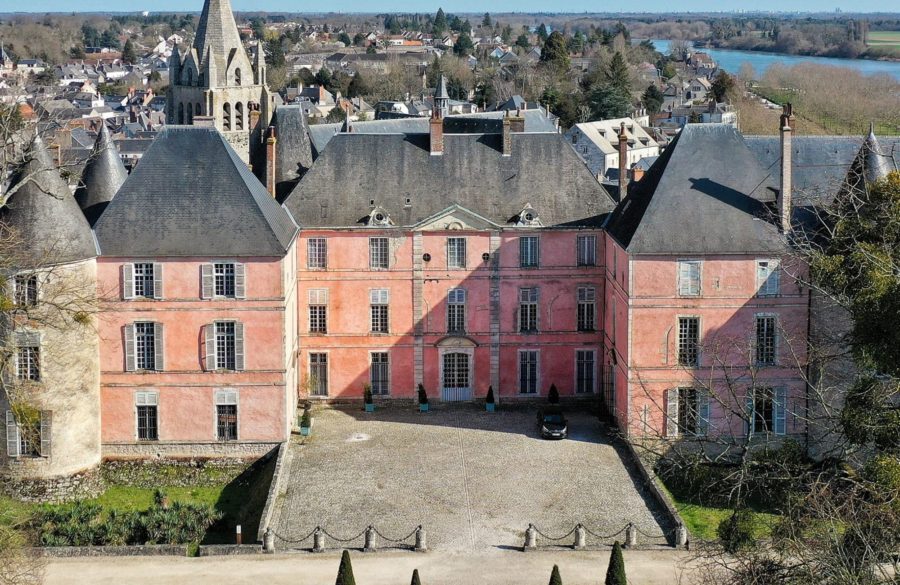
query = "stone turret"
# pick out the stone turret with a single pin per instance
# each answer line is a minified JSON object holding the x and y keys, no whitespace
{"x":103,"y":174}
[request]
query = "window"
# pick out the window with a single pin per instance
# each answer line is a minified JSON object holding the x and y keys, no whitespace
{"x":587,"y":308}
{"x":767,"y":278}
{"x":28,"y":364}
{"x":225,"y":347}
{"x":379,"y":372}
{"x":456,"y":252}
{"x":318,"y":374}
{"x":145,"y":345}
{"x":766,"y":409}
{"x":529,"y":251}
{"x":147,"y":422}
{"x":226,"y":415}
{"x":688,"y":341}
{"x":456,"y":311}
{"x":318,"y":310}
{"x":587,"y":250}
{"x":25,"y":293}
{"x":689,"y":278}
{"x":28,"y":439}
{"x":143,"y":280}
{"x":528,"y":310}
{"x":585,"y":370}
{"x":379,"y":310}
{"x":765,"y":340}
{"x":528,"y":371}
{"x":456,"y":370}
{"x":223,"y":280}
{"x":378,"y":253}
{"x":317,"y":253}
{"x":687,"y":412}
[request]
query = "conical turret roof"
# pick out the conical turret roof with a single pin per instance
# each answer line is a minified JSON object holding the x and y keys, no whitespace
{"x":43,"y":214}
{"x":102,"y":177}
{"x":441,"y":91}
{"x":877,"y":165}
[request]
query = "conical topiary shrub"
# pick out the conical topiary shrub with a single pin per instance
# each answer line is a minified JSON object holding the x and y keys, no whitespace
{"x":553,"y":395}
{"x":555,"y":579}
{"x":415,"y":578}
{"x":615,"y":574}
{"x":345,"y":571}
{"x":489,"y":399}
{"x":367,"y":393}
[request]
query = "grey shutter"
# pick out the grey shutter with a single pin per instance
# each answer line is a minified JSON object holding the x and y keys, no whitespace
{"x":672,"y":412}
{"x":751,"y":414}
{"x":157,"y":280}
{"x":238,"y":346}
{"x":703,"y":412}
{"x":159,"y":348}
{"x":129,"y":348}
{"x":240,"y":281}
{"x":127,"y":281}
{"x":780,"y":408}
{"x":209,"y":334}
{"x":207,"y":281}
{"x":762,"y":281}
{"x":12,"y":435}
{"x":684,"y":278}
{"x":46,"y":429}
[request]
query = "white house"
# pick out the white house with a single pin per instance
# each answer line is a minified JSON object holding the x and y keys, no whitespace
{"x":597,"y":144}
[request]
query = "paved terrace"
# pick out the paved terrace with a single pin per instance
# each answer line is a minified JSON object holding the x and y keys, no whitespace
{"x":473,"y":479}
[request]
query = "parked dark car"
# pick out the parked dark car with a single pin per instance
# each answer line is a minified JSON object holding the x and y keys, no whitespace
{"x":553,"y":423}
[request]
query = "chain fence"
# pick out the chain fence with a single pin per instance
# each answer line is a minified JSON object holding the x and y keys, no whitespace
{"x":369,"y":539}
{"x":581,"y":537}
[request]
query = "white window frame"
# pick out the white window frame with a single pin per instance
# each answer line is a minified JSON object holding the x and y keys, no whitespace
{"x":14,"y":436}
{"x":317,"y":253}
{"x":775,"y":339}
{"x":768,"y":277}
{"x":593,"y":353}
{"x":468,"y":351}
{"x":145,"y":398}
{"x":779,"y":410}
{"x":456,"y":298}
{"x":533,"y":299}
{"x":529,"y":252}
{"x":586,"y":250}
{"x":375,"y":260}
{"x":537,"y":371}
{"x":678,"y":340}
{"x":457,"y":252}
{"x":309,"y":372}
{"x":227,"y":397}
{"x":685,"y":280}
{"x":387,"y":378}
{"x":225,"y":333}
{"x":318,"y":300}
{"x":30,"y":299}
{"x":586,"y":296}
{"x":28,"y":339}
{"x":380,"y":297}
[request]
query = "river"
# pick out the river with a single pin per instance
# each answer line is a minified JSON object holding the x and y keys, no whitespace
{"x":731,"y":60}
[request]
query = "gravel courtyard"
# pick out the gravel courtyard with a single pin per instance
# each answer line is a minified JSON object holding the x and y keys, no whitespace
{"x":474,"y":480}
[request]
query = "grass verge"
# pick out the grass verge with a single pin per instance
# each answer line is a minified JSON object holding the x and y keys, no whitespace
{"x":703,"y":521}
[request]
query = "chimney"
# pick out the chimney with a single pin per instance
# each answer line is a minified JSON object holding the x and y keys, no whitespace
{"x":785,"y":194}
{"x":507,"y":136}
{"x":436,"y":133}
{"x":254,"y":118}
{"x":271,"y":140}
{"x":623,"y":163}
{"x":637,"y":174}
{"x":517,"y":122}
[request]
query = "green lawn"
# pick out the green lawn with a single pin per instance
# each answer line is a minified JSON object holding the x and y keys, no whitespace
{"x":703,"y":521}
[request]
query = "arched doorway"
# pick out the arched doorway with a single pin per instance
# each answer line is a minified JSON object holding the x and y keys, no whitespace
{"x":457,"y":363}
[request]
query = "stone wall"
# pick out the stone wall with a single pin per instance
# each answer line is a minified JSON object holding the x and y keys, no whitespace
{"x":151,"y":474}
{"x":86,"y":485}
{"x":177,"y":450}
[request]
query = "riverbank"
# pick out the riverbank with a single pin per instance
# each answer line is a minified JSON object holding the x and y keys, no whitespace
{"x":887,"y":54}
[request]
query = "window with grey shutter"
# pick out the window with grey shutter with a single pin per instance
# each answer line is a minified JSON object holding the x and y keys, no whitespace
{"x":240,"y":281}
{"x":207,"y":281}
{"x":703,"y":413}
{"x":767,"y":278}
{"x":127,"y":281}
{"x":157,"y":280}
{"x":780,"y":408}
{"x":689,"y":275}
{"x":210,"y":346}
{"x":239,"y":346}
{"x":12,"y":435}
{"x":672,"y":412}
{"x":130,"y":357}
{"x":46,"y":428}
{"x":158,"y":347}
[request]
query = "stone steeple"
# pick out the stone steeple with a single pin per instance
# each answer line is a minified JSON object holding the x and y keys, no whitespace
{"x":218,"y":38}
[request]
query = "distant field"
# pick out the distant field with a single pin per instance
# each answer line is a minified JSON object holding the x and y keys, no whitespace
{"x":884,"y":38}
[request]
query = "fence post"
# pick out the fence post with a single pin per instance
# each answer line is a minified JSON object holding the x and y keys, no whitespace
{"x":680,"y":536}
{"x":630,"y":535}
{"x":269,"y":541}
{"x":420,"y":539}
{"x":370,"y":539}
{"x":579,"y":537}
{"x":318,"y":540}
{"x":530,"y":538}
{"x":237,"y":535}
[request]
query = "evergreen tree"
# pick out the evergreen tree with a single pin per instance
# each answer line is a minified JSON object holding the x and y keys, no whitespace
{"x":345,"y":571}
{"x":359,"y":39}
{"x":486,"y":21}
{"x":617,"y":73}
{"x":555,"y":51}
{"x":415,"y":578}
{"x":555,"y":579}
{"x":506,"y":34}
{"x":275,"y":53}
{"x":542,"y":32}
{"x":359,"y":85}
{"x":553,"y":395}
{"x":323,"y":77}
{"x":463,"y":46}
{"x":345,"y":38}
{"x":128,"y":54}
{"x":615,"y":574}
{"x":608,"y":101}
{"x":522,"y":42}
{"x":440,"y":22}
{"x":652,"y":99}
{"x":722,"y":86}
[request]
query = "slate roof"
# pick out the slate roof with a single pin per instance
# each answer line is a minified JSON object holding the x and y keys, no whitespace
{"x":293,"y":152}
{"x":43,"y":214}
{"x":706,"y":194}
{"x":320,"y":134}
{"x":103,"y":174}
{"x":193,"y":196}
{"x":471,"y":172}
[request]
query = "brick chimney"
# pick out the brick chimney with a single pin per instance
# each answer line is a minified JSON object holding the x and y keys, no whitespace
{"x":785,"y":194}
{"x":271,"y":140}
{"x":623,"y":163}
{"x":436,"y":133}
{"x":507,"y":136}
{"x":517,"y":122}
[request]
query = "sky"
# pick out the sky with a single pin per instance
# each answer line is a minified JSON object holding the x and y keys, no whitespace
{"x":473,"y":6}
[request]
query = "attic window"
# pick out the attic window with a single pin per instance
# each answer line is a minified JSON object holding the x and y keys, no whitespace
{"x":371,"y":203}
{"x":408,"y":201}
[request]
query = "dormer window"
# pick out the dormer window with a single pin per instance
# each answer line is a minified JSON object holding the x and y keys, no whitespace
{"x":528,"y":217}
{"x":380,"y":217}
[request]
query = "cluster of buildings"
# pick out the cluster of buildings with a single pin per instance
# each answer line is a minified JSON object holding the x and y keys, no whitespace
{"x":460,"y":253}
